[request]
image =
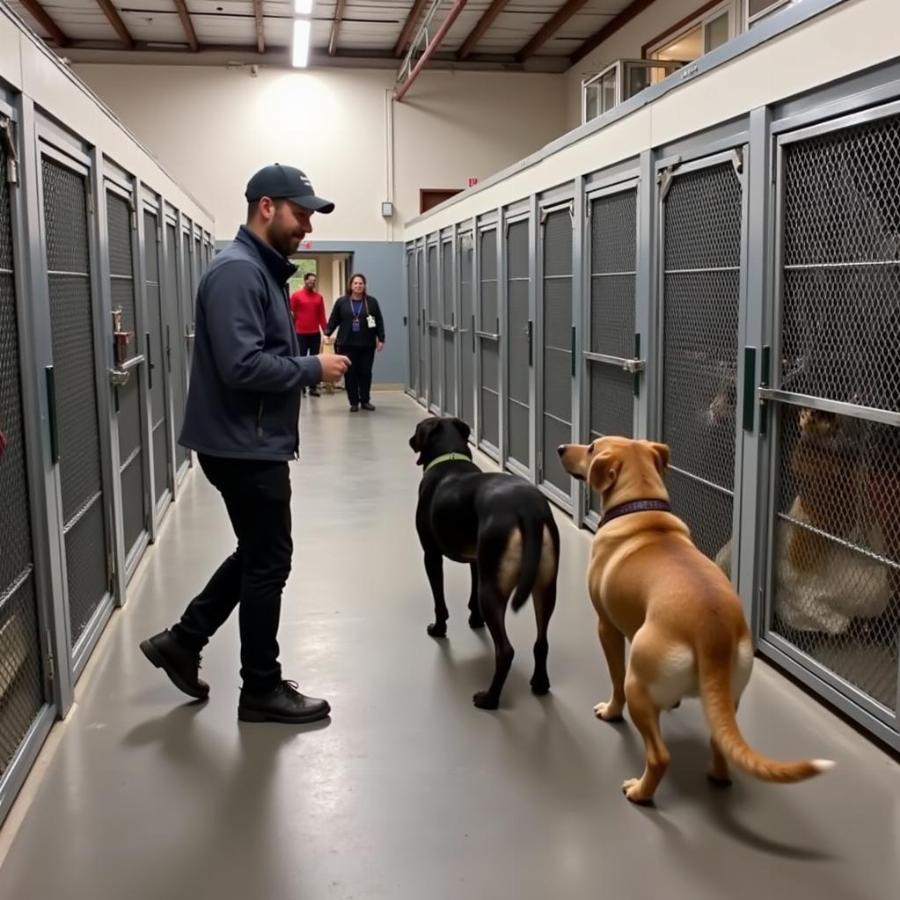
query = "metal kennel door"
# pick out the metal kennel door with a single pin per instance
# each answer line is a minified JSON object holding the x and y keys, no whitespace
{"x":467,"y":329}
{"x":21,"y":657}
{"x":176,"y":345}
{"x":448,"y":330}
{"x":613,"y":357}
{"x":72,"y":392}
{"x":488,"y":334}
{"x":519,"y":350}
{"x":558,"y":346}
{"x":129,"y":398}
{"x":833,"y":580}
{"x":423,"y":324}
{"x":155,"y":344}
{"x":701,"y":231}
{"x":433,"y":301}
{"x":412,"y":319}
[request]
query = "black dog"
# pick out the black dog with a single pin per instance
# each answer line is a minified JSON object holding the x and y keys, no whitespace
{"x":502,"y":527}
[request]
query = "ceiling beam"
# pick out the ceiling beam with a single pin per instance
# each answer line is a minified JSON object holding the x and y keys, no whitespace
{"x":188,"y":24}
{"x":609,"y":29}
{"x":260,"y":26}
{"x":484,"y":23}
{"x":112,"y":14}
{"x":336,"y":27}
{"x":550,"y":27}
{"x":42,"y":17}
{"x":433,"y":45}
{"x":409,"y":28}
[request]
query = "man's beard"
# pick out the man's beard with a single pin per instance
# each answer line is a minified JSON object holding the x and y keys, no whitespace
{"x":285,"y":242}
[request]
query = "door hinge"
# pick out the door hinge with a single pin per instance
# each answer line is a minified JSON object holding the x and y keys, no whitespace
{"x":12,"y":160}
{"x":51,"y":658}
{"x":737,"y":160}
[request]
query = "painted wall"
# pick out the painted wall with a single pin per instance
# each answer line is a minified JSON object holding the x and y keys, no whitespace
{"x":214,"y":127}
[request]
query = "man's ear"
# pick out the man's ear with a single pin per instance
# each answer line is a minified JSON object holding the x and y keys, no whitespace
{"x":462,"y":428}
{"x":661,"y":455}
{"x":603,"y":472}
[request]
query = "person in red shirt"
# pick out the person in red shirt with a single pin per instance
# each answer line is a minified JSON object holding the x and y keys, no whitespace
{"x":308,"y":310}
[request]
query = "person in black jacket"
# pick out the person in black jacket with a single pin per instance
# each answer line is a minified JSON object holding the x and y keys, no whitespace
{"x":247,"y":375}
{"x":357,"y":318}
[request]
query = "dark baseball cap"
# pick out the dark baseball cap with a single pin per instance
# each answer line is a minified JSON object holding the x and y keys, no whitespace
{"x":286,"y":183}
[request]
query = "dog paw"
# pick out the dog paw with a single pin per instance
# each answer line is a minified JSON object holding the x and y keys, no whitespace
{"x":607,"y":712}
{"x":483,"y":700}
{"x":475,"y":621}
{"x":540,"y":686}
{"x":718,"y":779}
{"x":437,"y":630}
{"x":632,"y":790}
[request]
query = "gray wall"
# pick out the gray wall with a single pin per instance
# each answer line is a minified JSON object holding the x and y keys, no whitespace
{"x":382,"y":264}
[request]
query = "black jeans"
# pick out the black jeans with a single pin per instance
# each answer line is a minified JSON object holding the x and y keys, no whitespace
{"x":359,"y":376}
{"x":310,"y":344}
{"x":257,"y":496}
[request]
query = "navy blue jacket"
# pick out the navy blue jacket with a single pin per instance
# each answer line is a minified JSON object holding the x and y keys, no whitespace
{"x":247,"y":372}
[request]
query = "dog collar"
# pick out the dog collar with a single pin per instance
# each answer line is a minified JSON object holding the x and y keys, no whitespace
{"x":623,"y":509}
{"x":448,"y":457}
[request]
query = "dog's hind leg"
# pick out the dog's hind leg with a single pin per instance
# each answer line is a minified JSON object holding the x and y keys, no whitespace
{"x":476,"y":620}
{"x":544,"y":603}
{"x":493,"y":606}
{"x":645,"y":715}
{"x":434,"y":567}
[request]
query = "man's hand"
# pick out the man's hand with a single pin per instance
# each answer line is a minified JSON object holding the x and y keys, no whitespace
{"x":379,"y":346}
{"x":333,"y":367}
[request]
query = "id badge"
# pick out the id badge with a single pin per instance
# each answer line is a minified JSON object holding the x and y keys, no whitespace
{"x":370,"y":321}
{"x":355,"y":325}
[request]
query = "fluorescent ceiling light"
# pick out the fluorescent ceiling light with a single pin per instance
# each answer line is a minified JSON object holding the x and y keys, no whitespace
{"x":303,"y":7}
{"x":301,"y":43}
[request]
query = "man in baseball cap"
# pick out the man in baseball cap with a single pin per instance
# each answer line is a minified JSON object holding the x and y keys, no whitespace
{"x":241,"y":418}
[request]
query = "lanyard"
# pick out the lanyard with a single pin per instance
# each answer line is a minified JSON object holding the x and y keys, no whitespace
{"x":353,"y":309}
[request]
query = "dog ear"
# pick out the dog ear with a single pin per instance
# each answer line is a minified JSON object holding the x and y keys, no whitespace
{"x":462,"y":428}
{"x":661,"y":455}
{"x":603,"y":472}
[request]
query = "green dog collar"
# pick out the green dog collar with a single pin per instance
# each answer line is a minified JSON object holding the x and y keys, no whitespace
{"x":447,"y":457}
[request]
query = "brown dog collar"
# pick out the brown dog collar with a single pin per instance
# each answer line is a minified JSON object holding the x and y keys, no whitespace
{"x":633,"y":506}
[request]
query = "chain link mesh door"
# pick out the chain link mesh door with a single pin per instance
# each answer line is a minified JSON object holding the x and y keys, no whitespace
{"x":412,"y":321}
{"x":155,"y":343}
{"x":176,"y":355}
{"x":65,"y":223}
{"x":518,"y":361}
{"x":489,"y":339}
{"x":433,"y":299}
{"x":613,"y":264}
{"x":835,"y":561}
{"x":21,"y":673}
{"x":557,"y":369}
{"x":702,"y":221}
{"x":128,"y":397}
{"x":448,"y":329}
{"x":423,"y":324}
{"x":467,"y":330}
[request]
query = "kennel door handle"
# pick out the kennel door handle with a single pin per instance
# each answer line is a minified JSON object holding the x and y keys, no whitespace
{"x":749,"y":388}
{"x":150,"y":365}
{"x":50,"y":376}
{"x":530,"y":332}
{"x":574,"y":340}
{"x":764,"y":381}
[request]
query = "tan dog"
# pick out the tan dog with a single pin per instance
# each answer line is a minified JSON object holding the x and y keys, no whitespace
{"x":649,"y":583}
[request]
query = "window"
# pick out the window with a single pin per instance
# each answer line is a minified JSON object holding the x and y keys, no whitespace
{"x":691,"y":39}
{"x":759,"y":9}
{"x":620,"y":82}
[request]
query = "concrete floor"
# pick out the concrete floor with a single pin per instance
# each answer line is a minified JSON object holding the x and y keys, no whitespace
{"x":410,"y":792}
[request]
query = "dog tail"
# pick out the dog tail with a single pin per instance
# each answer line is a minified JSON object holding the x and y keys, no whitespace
{"x":715,"y":692}
{"x":532,"y":551}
